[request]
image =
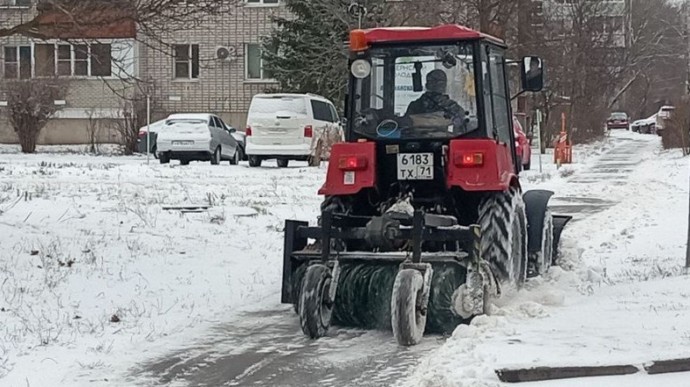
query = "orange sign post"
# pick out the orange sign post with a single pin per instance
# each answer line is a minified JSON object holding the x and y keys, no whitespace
{"x":563,"y":150}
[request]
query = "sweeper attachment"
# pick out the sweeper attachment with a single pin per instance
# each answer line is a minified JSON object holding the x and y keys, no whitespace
{"x":424,"y":221}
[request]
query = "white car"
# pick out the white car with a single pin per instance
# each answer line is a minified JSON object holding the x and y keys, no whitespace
{"x":288,"y":127}
{"x":196,"y":137}
{"x":646,"y":126}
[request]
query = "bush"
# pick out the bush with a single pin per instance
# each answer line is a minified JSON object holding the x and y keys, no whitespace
{"x":30,"y":104}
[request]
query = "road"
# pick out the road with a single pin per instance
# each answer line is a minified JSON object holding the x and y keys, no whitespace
{"x":267,"y":348}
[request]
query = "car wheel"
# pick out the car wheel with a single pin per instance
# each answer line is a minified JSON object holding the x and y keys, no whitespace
{"x":236,"y":158}
{"x":283,"y":163}
{"x":184,"y":161}
{"x":164,"y":158}
{"x":254,"y":161}
{"x":215,"y":157}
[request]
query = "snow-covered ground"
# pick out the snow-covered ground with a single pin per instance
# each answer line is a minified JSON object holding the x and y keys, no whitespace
{"x":622,"y":300}
{"x":86,"y":238}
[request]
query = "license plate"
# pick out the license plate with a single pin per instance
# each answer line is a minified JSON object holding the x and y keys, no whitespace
{"x":415,"y":166}
{"x":183,"y":142}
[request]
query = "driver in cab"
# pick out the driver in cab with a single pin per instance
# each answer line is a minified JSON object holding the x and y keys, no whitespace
{"x":435,"y":100}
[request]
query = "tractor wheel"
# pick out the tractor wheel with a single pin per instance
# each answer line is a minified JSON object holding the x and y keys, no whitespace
{"x":254,"y":161}
{"x":504,"y":235}
{"x":315,"y":305}
{"x":543,"y":259}
{"x":408,"y":318}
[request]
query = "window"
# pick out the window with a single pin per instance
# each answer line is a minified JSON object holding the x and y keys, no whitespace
{"x":262,"y":2}
{"x":16,"y":3}
{"x":255,"y":63}
{"x":81,"y":60}
{"x":497,"y":108}
{"x":216,"y":122}
{"x":17,"y":62}
{"x":334,"y":113}
{"x":186,"y":61}
{"x":322,"y":111}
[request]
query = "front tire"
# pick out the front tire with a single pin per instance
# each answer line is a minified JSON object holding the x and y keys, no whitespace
{"x":408,"y":319}
{"x":504,"y":235}
{"x":315,"y":305}
{"x":254,"y":161}
{"x":164,"y":158}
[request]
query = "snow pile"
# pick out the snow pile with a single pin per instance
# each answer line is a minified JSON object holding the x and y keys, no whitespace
{"x":619,"y":297}
{"x":102,"y":264}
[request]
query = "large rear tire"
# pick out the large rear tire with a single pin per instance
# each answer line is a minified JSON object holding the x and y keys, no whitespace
{"x":504,"y":235}
{"x":407,"y":317}
{"x":315,"y":305}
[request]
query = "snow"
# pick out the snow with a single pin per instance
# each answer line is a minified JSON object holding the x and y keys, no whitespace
{"x":87,"y":237}
{"x":621,"y":299}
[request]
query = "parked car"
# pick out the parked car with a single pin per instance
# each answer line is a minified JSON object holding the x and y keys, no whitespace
{"x":662,"y":117}
{"x":241,"y":138}
{"x":618,"y":120}
{"x":645,"y":126}
{"x":196,"y":137}
{"x":522,"y":145}
{"x":288,"y":127}
{"x":142,"y":141}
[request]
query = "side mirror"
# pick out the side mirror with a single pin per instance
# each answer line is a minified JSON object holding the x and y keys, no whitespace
{"x":532,"y":73}
{"x":417,"y":78}
{"x":232,"y":130}
{"x":343,"y":122}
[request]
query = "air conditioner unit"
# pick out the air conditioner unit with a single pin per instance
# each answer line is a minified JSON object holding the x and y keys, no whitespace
{"x":226,"y":53}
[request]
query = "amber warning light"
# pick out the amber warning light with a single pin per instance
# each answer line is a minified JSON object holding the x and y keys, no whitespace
{"x":358,"y":40}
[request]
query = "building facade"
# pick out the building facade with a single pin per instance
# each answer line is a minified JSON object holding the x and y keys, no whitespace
{"x":214,"y":67}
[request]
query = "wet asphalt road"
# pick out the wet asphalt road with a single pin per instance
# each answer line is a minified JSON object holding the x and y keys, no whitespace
{"x":267,"y":348}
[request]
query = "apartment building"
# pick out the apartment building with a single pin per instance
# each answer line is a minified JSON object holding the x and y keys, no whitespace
{"x":214,"y":67}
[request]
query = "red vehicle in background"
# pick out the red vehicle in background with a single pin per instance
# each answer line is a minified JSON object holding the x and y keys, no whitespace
{"x":618,"y":120}
{"x":522,"y":145}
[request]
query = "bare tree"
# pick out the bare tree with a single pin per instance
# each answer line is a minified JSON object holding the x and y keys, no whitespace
{"x":93,"y":129}
{"x":132,"y":116}
{"x":30,"y":104}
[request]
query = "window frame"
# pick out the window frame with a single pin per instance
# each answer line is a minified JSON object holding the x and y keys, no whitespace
{"x":191,"y":76}
{"x":262,"y":3}
{"x":262,"y":77}
{"x":73,"y":60}
{"x":18,"y":62}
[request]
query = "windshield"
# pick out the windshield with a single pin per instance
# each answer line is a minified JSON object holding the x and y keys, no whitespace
{"x":417,"y":92}
{"x":619,"y":116}
{"x":272,"y":105}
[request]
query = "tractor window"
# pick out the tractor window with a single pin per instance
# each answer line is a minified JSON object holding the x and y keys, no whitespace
{"x":417,"y":92}
{"x":501,"y":116}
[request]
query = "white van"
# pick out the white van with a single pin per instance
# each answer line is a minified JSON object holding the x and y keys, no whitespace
{"x":288,"y":127}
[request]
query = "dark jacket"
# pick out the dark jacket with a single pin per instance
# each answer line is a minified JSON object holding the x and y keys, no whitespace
{"x":431,"y":102}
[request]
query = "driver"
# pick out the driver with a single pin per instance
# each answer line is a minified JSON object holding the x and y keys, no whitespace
{"x":435,"y":99}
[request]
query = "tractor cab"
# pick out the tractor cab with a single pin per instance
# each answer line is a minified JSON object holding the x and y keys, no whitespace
{"x":431,"y":84}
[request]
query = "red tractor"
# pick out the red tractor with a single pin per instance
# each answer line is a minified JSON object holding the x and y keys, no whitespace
{"x":424,"y":220}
